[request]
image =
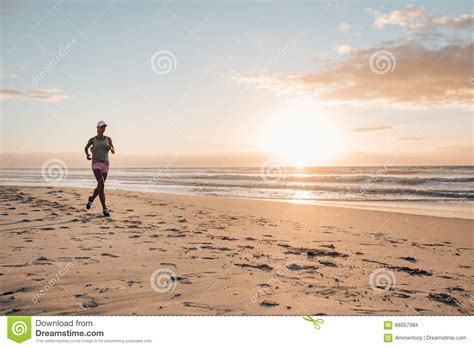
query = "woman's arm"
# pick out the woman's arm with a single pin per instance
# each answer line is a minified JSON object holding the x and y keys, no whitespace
{"x":86,"y":149}
{"x":111,"y":146}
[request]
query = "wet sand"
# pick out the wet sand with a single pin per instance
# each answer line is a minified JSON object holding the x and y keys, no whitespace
{"x":165,"y":254}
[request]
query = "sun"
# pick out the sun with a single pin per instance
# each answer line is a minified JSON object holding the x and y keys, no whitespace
{"x":301,"y":139}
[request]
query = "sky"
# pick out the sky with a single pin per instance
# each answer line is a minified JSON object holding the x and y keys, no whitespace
{"x":236,"y":83}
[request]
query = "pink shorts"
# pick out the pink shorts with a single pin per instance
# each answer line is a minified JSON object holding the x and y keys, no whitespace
{"x":103,"y":167}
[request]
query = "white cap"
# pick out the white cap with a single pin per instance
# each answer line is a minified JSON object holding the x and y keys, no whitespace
{"x":101,"y":123}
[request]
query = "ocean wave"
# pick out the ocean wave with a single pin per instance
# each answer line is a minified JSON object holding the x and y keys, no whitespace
{"x":368,"y":190}
{"x":356,"y":179}
{"x":345,"y":183}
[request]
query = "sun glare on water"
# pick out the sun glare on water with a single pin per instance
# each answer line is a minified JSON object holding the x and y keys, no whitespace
{"x":302,"y":140}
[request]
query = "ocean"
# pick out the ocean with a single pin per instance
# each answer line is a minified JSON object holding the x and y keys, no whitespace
{"x":437,"y":191}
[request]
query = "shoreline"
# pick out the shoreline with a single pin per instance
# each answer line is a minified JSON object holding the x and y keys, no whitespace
{"x":359,"y":205}
{"x":227,"y":256}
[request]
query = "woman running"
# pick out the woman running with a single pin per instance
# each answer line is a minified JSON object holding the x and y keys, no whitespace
{"x":101,"y":145}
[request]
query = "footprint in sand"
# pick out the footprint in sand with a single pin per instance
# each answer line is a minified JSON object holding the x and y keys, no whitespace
{"x":101,"y":290}
{"x":226,"y":238}
{"x":169,"y":264}
{"x":41,"y":261}
{"x":89,"y":304}
{"x":268,"y":303}
{"x":183,"y":280}
{"x":109,"y":255}
{"x":409,"y":259}
{"x":411,"y":271}
{"x":295,"y":267}
{"x":328,"y":263}
{"x":12,"y":292}
{"x":263,"y":267}
{"x":205,"y":306}
{"x":444,"y":298}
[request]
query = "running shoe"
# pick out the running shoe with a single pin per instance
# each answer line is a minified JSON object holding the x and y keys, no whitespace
{"x":89,"y":203}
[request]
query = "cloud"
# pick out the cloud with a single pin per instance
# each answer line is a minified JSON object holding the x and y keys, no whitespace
{"x":409,"y":138}
{"x":370,"y":129}
{"x":344,"y":49}
{"x":8,"y":94}
{"x":462,"y":21}
{"x":344,"y":26}
{"x":40,"y":94}
{"x":407,"y":75}
{"x":457,"y":148}
{"x":323,"y":57}
{"x":4,"y":75}
{"x":415,"y":17}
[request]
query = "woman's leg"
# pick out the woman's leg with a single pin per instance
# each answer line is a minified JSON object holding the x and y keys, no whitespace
{"x":99,"y":191}
{"x":96,"y":190}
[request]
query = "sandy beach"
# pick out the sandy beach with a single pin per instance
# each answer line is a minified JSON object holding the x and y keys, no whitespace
{"x":225,"y":256}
